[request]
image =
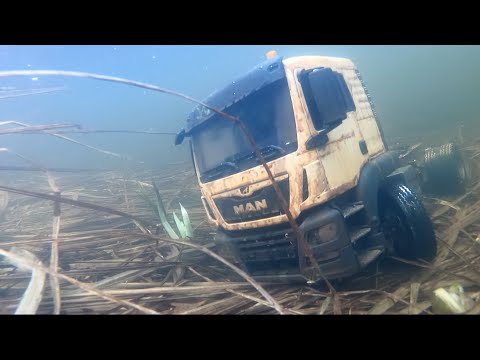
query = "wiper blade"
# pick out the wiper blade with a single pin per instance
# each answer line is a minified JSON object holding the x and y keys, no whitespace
{"x":272,"y":149}
{"x":230,"y":163}
{"x":219,"y":170}
{"x":266,"y":151}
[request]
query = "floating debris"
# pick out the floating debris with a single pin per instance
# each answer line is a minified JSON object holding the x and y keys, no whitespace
{"x":451,"y":301}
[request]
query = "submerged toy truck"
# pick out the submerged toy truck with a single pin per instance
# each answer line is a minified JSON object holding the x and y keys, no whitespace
{"x":312,"y":118}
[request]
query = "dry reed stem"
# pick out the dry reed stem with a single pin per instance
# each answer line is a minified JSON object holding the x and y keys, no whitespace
{"x":46,"y":127}
{"x":55,"y":228}
{"x":54,"y":265}
{"x":87,"y":288}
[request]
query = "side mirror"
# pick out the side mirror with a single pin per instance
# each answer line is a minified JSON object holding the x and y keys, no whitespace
{"x":180,"y":137}
{"x":328,"y":97}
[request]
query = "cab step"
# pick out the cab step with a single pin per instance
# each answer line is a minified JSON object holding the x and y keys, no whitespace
{"x":359,"y":233}
{"x":352,"y":209}
{"x":368,"y":256}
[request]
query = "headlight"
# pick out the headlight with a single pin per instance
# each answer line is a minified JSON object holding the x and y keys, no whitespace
{"x":324,"y":234}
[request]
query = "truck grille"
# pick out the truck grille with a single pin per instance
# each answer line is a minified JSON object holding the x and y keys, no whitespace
{"x":261,"y":204}
{"x":275,"y":250}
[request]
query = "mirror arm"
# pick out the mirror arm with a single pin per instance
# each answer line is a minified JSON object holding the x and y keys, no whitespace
{"x":321,"y":139}
{"x":317,"y":140}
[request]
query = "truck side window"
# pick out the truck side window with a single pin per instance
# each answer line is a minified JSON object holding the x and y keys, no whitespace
{"x":327,"y":97}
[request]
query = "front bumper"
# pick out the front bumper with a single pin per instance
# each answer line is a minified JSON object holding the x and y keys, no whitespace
{"x":273,"y":254}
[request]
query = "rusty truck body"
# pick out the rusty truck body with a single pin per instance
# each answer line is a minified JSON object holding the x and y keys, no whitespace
{"x":314,"y":122}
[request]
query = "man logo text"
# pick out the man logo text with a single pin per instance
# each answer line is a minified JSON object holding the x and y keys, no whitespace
{"x":249,"y":207}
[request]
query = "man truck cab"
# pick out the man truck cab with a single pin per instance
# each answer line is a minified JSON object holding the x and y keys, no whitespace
{"x":312,"y":119}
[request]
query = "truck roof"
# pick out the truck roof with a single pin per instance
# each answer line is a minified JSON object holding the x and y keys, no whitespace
{"x":315,"y":61}
{"x":261,"y":75}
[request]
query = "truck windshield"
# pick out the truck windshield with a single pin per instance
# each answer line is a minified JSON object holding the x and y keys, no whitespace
{"x":220,"y":147}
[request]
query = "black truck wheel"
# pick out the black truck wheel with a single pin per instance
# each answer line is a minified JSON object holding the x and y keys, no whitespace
{"x":445,"y":170}
{"x":406,"y":225}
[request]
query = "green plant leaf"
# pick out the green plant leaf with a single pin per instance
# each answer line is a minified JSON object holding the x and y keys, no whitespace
{"x":163,"y":216}
{"x":180,"y":225}
{"x":166,"y":225}
{"x":186,"y":221}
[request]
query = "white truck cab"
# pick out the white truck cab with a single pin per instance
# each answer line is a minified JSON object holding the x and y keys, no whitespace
{"x":313,"y":121}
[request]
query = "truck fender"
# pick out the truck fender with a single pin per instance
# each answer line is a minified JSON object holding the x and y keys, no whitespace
{"x":371,"y":179}
{"x":407,"y":175}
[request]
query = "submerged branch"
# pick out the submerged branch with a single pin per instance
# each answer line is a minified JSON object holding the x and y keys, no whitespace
{"x":33,"y":129}
{"x":101,"y":131}
{"x":7,"y":94}
{"x":26,"y":126}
